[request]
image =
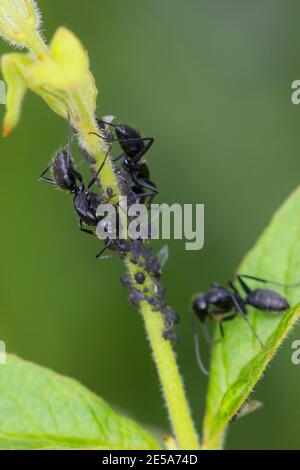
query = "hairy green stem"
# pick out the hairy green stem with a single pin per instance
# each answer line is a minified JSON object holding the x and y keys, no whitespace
{"x":215,"y":443}
{"x":163,"y":353}
{"x":170,"y":379}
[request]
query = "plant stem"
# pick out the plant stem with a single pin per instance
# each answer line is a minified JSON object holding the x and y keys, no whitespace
{"x":214,"y":443}
{"x":170,"y":379}
{"x":163,"y":353}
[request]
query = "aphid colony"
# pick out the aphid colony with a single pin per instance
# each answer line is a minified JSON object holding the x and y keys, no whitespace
{"x":133,"y":176}
{"x":219,"y":303}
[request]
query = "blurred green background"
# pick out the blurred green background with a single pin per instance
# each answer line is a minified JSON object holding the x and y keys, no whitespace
{"x":211,"y":80}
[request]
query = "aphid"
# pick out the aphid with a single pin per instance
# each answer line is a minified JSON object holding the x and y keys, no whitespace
{"x":153,"y":267}
{"x":135,"y":297}
{"x":134,"y":147}
{"x":140,"y":277}
{"x":171,"y":319}
{"x":126,"y":282}
{"x":122,"y":247}
{"x":64,"y":175}
{"x":171,"y":335}
{"x":152,"y":300}
{"x":224,"y":304}
{"x":136,"y":249}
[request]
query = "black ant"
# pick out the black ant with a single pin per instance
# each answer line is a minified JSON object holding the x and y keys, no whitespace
{"x":134,"y":147}
{"x":65,"y":177}
{"x":224,"y":304}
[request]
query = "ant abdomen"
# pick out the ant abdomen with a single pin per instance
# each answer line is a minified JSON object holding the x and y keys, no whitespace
{"x":267,"y":300}
{"x":84,"y":209}
{"x":63,"y":172}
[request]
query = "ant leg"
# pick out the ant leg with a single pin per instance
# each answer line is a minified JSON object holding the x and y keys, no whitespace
{"x":93,"y":180}
{"x":85,"y":230}
{"x":265,"y":281}
{"x":146,"y":195}
{"x":243,"y":284}
{"x":242,"y":311}
{"x":46,"y":180}
{"x":197,"y":349}
{"x":69,"y":150}
{"x":221,"y":324}
{"x":150,"y":141}
{"x":118,"y":158}
{"x":144,"y":184}
{"x":99,"y":255}
{"x":150,"y":193}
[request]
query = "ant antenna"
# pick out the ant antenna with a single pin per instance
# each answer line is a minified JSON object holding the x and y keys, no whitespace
{"x":70,"y":138}
{"x":265,"y":281}
{"x":107,"y":123}
{"x":197,"y":349}
{"x":137,"y":139}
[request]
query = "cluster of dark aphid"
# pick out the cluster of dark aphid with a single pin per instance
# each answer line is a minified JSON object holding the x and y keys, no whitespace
{"x":134,"y":180}
{"x":147,"y":263}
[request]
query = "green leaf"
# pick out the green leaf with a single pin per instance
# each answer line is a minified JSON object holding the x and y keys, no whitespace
{"x":237,"y":360}
{"x":40,"y":409}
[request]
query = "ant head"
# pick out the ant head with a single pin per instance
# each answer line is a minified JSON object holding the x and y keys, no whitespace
{"x":125,"y":132}
{"x":200,"y":306}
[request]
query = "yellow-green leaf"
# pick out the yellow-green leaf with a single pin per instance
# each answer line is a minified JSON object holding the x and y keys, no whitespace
{"x":67,"y":65}
{"x":14,"y":67}
{"x":237,"y":360}
{"x":40,"y":409}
